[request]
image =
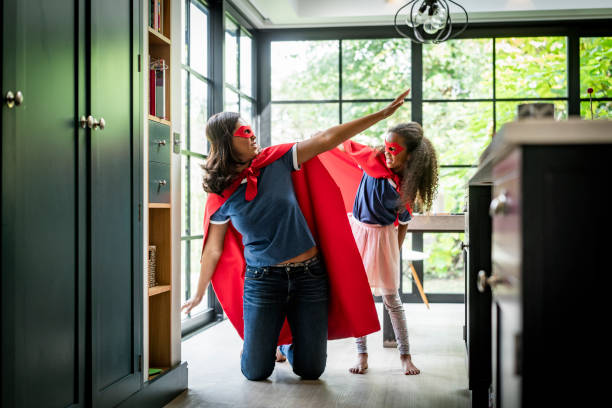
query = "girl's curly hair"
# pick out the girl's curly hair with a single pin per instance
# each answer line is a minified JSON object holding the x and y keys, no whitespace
{"x":221,"y":166}
{"x":420,"y":174}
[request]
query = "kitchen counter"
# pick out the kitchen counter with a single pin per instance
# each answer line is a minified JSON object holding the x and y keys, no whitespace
{"x":539,"y":132}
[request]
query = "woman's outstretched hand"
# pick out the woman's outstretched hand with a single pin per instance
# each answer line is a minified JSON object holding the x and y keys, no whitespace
{"x":190,"y":304}
{"x":399,"y":101}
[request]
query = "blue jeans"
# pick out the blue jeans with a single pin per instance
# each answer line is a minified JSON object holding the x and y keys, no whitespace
{"x":299,"y":293}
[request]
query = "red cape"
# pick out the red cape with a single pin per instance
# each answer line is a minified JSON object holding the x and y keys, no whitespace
{"x":351,"y":308}
{"x":347,"y":169}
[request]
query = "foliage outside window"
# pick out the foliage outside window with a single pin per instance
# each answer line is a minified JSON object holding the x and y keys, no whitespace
{"x":596,"y":73}
{"x":196,"y":87}
{"x":239,"y":92}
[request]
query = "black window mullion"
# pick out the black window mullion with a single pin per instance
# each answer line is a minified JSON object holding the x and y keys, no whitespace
{"x":573,"y":73}
{"x":416,"y":91}
{"x":340,"y":81}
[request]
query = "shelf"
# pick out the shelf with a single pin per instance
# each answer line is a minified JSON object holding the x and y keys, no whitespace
{"x":157,"y":38}
{"x":160,"y":120}
{"x":156,"y":290}
{"x":159,"y":205}
{"x":164,"y":371}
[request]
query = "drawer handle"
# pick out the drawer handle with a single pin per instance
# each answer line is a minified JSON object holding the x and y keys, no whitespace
{"x":483,"y":281}
{"x":161,"y":143}
{"x":499,"y":205}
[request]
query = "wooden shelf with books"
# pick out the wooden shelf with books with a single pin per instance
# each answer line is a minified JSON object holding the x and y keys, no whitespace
{"x":159,"y":181}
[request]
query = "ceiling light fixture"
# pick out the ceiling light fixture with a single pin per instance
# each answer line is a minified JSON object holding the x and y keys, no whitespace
{"x":427,"y":21}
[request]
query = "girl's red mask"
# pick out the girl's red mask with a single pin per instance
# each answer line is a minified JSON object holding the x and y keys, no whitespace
{"x":244,"y":131}
{"x":393,"y":148}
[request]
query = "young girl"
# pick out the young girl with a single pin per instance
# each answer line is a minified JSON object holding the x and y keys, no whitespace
{"x":279,"y":221}
{"x":405,"y":174}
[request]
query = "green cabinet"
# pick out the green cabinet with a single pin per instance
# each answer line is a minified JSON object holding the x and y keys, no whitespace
{"x":71,"y":305}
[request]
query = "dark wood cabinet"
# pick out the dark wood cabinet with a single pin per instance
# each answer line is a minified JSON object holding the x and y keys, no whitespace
{"x":548,"y":276}
{"x":71,"y":200}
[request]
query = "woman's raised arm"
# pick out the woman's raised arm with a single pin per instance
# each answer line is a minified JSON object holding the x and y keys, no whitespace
{"x":332,"y":137}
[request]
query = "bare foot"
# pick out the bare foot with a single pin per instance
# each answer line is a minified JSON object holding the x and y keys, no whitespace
{"x":280,"y":356}
{"x":362,"y":364}
{"x":407,"y":366}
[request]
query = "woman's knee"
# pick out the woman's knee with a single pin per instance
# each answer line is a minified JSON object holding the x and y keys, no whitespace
{"x":257,"y":373}
{"x":310,"y":371}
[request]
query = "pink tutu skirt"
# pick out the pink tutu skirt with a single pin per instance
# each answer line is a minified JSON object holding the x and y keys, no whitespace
{"x":380,"y":254}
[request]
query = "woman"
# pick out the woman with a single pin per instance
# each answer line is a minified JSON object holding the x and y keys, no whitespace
{"x":253,"y":194}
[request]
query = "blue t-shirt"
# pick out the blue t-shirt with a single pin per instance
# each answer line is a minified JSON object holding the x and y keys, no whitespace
{"x":376,"y":202}
{"x":272,"y":225}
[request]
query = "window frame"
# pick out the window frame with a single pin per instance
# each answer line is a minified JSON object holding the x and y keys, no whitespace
{"x":573,"y":30}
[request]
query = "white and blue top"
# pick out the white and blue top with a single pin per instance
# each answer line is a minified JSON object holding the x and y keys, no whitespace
{"x":376,"y":202}
{"x":272,"y":225}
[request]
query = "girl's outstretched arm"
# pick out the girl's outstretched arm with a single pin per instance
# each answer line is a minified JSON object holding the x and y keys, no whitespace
{"x":210,"y":258}
{"x":332,"y":137}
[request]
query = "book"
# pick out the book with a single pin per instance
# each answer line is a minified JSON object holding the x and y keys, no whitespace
{"x":152,"y":91}
{"x":160,"y":91}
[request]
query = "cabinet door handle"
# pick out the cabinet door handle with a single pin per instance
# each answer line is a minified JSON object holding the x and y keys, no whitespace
{"x":162,"y":182}
{"x":12,"y":99}
{"x":483,"y":281}
{"x":499,"y":205}
{"x":92,"y":122}
{"x":161,"y":142}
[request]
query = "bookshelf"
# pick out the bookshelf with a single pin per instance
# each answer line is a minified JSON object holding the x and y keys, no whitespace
{"x":159,"y":120}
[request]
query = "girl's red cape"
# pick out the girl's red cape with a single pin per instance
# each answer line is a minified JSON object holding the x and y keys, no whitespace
{"x":351,"y":307}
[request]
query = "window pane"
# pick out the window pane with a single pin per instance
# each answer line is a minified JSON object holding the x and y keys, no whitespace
{"x":231,"y":101}
{"x":304,"y":70}
{"x":294,"y":122}
{"x":531,"y":67}
{"x":601,"y":110}
{"x":197,"y":196}
{"x":375,"y":69}
{"x":374,"y":136}
{"x":451,"y":190}
{"x":246,"y":63}
{"x":184,"y":274}
{"x":458,"y":130}
{"x":596,"y":66}
{"x":458,"y":69}
{"x":184,"y":83}
{"x":507,"y":111}
{"x":191,"y":274}
{"x":443,"y":265}
{"x":247,"y":111}
{"x":185,"y":193}
{"x":231,"y":53}
{"x":198,"y":40}
{"x":198,"y":95}
{"x":184,"y":39}
{"x":195,"y":253}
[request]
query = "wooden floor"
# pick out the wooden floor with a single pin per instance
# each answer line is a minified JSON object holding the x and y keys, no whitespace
{"x":437,"y":349}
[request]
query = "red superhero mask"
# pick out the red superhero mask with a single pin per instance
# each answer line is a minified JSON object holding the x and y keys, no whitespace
{"x":393,"y":148}
{"x":244,"y":131}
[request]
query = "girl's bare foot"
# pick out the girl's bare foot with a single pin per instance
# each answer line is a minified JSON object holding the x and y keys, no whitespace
{"x":280,"y":357}
{"x":407,"y":366}
{"x":362,"y":364}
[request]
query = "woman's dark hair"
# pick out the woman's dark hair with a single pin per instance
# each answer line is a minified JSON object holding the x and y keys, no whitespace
{"x":221,"y":166}
{"x":420,"y":175}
